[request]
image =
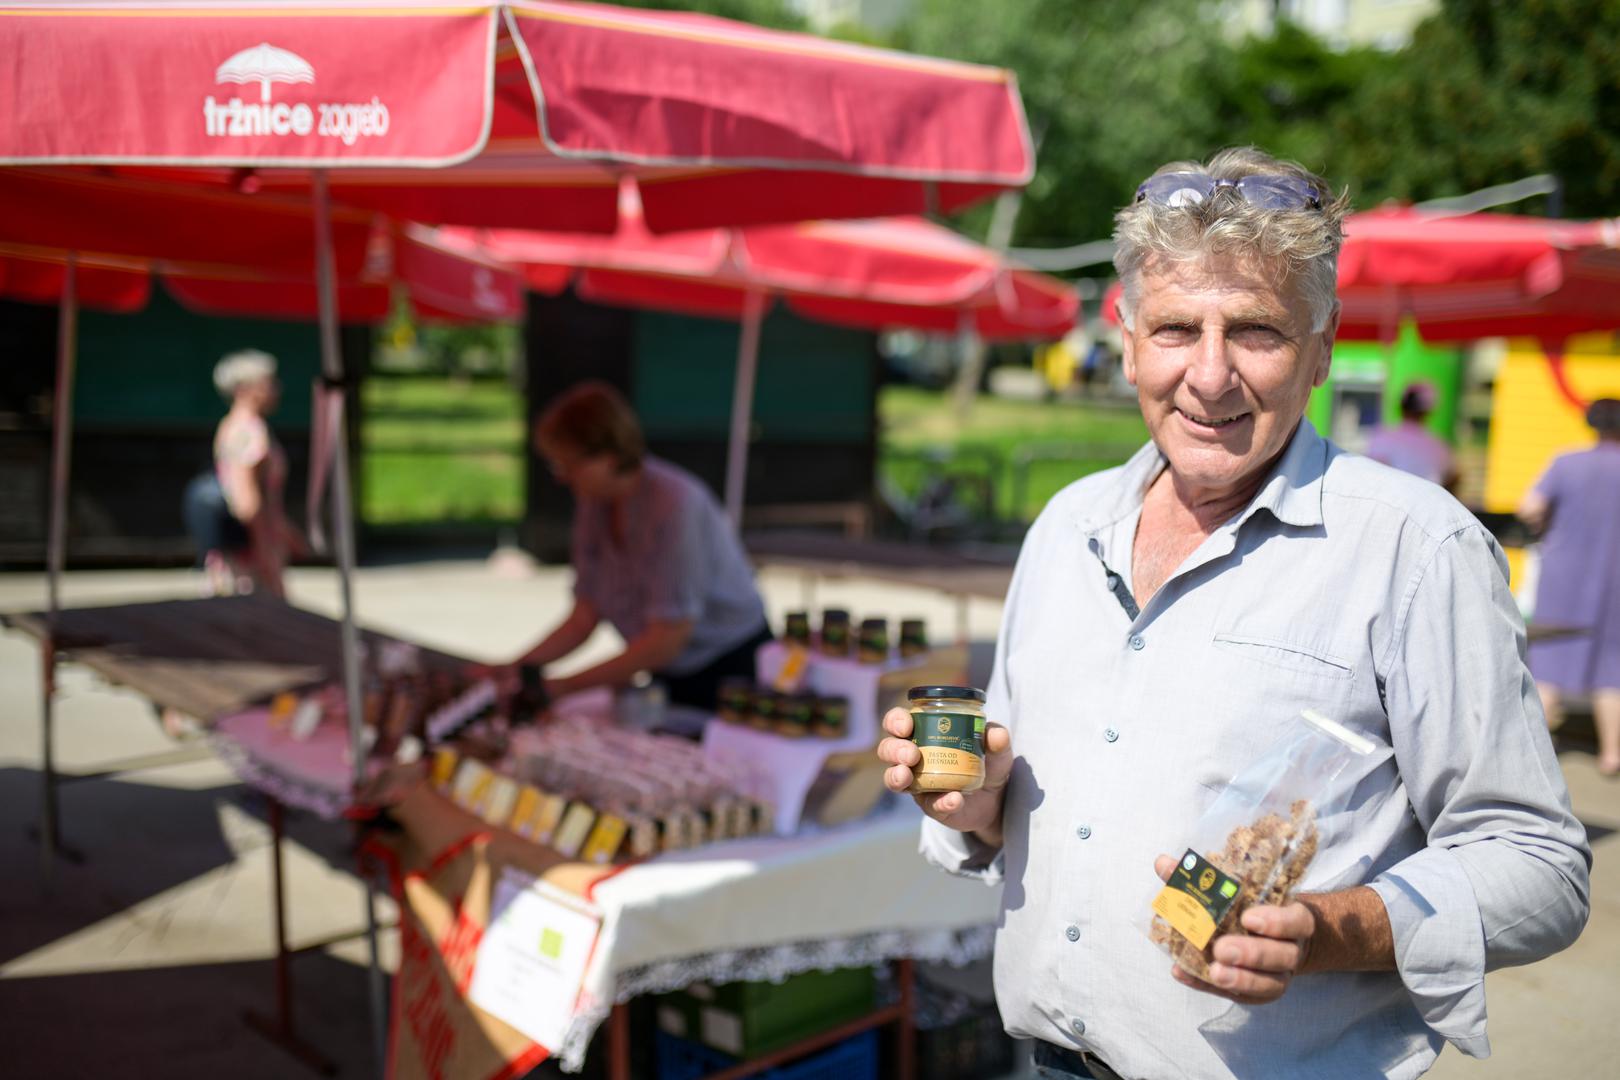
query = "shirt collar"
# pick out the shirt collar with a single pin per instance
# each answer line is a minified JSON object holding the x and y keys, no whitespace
{"x":1292,"y":492}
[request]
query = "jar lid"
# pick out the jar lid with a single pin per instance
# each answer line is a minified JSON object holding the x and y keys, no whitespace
{"x":966,"y":693}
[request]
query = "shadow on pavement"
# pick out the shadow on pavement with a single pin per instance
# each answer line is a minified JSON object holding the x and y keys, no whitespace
{"x":182,"y":1023}
{"x":138,"y":841}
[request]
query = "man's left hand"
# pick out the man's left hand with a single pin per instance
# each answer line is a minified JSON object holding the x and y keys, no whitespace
{"x":1254,"y":968}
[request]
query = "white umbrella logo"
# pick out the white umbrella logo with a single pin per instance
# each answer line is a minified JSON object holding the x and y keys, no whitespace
{"x":265,"y":64}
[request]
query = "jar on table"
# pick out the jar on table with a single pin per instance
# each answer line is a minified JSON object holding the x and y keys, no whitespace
{"x":835,"y":632}
{"x":735,"y":698}
{"x":913,"y":638}
{"x":832,"y":717}
{"x":762,"y":708}
{"x":797,"y":629}
{"x":794,"y":714}
{"x":947,"y":724}
{"x":874,"y":646}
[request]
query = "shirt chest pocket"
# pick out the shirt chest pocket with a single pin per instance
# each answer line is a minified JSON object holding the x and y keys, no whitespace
{"x":1265,"y":681}
{"x":1305,"y":661}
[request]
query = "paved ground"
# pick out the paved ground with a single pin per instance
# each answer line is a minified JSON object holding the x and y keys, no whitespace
{"x":139,"y":961}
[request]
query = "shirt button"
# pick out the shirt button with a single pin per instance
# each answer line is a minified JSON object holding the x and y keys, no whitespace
{"x":1137,"y":642}
{"x":1083,"y":832}
{"x":1072,"y":933}
{"x":1078,"y":1026}
{"x":1111,"y":735}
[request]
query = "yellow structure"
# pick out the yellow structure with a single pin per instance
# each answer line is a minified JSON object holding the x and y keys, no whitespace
{"x":1532,"y":422}
{"x":1057,"y":364}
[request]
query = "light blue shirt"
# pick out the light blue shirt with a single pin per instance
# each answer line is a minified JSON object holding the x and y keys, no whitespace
{"x":681,"y":559}
{"x":1346,"y":587}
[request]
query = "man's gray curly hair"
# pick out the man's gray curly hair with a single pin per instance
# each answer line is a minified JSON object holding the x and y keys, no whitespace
{"x":1301,"y":242}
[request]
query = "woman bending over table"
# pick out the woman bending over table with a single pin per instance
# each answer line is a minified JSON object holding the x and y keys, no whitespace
{"x":653,"y":554}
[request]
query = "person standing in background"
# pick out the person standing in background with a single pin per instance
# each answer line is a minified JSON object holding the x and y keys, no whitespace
{"x":1575,"y":506}
{"x":1411,"y":447}
{"x":252,"y":470}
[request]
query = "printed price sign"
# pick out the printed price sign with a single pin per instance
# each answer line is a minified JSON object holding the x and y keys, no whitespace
{"x":531,"y":962}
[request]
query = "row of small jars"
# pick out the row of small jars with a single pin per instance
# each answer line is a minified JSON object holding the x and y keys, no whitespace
{"x":871,"y":645}
{"x":741,"y":702}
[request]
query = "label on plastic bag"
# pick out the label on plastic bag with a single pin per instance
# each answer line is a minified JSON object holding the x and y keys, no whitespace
{"x":1196,"y":898}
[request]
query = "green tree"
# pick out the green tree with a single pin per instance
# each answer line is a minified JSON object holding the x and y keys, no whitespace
{"x":1112,"y":88}
{"x":772,"y":13}
{"x":1284,"y":92}
{"x":1490,"y":92}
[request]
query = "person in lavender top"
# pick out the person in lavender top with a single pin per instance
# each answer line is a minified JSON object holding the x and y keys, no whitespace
{"x":1410,"y":446}
{"x":1576,"y":506}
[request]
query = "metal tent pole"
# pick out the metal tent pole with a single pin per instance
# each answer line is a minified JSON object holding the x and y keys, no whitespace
{"x":343,"y":534}
{"x":742,"y":405}
{"x":55,"y":554}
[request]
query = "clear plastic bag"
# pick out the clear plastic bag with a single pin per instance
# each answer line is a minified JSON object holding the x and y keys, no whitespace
{"x":1255,"y":842}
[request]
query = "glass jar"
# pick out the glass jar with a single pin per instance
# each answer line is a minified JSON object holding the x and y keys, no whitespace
{"x":795,"y":713}
{"x":913,"y":638}
{"x":832,"y":717}
{"x":874,"y":644}
{"x":835,"y":632}
{"x":736,"y":697}
{"x":761,"y":708}
{"x":797,"y":629}
{"x":947,"y":724}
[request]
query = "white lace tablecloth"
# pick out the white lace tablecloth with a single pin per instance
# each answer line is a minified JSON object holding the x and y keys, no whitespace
{"x":761,"y":908}
{"x":766,"y":908}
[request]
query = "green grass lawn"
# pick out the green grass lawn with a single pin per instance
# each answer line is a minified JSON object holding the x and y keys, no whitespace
{"x":920,"y":428}
{"x":441,"y":450}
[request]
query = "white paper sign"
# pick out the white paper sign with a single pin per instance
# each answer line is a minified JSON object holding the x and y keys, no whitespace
{"x":531,"y":961}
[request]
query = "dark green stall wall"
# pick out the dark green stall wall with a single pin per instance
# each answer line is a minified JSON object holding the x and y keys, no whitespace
{"x":814,"y":381}
{"x":155,"y":368}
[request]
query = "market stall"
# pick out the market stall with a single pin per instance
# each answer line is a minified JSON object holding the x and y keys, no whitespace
{"x":523,"y":114}
{"x":765,"y":850}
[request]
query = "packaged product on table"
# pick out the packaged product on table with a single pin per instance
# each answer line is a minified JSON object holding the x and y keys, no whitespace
{"x":1256,"y":841}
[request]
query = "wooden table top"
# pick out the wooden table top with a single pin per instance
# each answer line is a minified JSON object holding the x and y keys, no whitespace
{"x":206,"y":657}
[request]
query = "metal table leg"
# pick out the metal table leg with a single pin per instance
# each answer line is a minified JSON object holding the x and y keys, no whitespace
{"x":279,"y":1027}
{"x":618,"y":1063}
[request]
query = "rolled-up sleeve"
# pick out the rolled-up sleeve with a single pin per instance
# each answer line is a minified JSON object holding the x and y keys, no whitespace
{"x":1504,"y":877}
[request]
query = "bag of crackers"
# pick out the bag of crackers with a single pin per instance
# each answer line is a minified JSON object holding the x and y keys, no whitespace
{"x":1255,"y":842}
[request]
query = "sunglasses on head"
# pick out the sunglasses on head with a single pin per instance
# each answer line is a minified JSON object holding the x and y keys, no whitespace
{"x":1266,"y":192}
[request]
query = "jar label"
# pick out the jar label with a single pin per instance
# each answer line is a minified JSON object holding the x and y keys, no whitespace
{"x":949,"y":731}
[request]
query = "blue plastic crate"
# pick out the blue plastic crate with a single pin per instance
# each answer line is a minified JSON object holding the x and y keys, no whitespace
{"x":856,"y":1058}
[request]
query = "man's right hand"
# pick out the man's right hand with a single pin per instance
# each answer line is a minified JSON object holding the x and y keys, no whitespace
{"x":970,"y":812}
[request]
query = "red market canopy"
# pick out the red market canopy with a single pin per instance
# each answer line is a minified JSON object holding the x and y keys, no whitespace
{"x":1472,"y":276}
{"x":512,"y":114}
{"x":902,"y":272}
{"x":872,"y":274}
{"x":1478,"y":275}
{"x":440,"y":283}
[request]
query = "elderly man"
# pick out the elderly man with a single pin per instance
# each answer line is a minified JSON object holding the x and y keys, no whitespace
{"x":1167,"y":623}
